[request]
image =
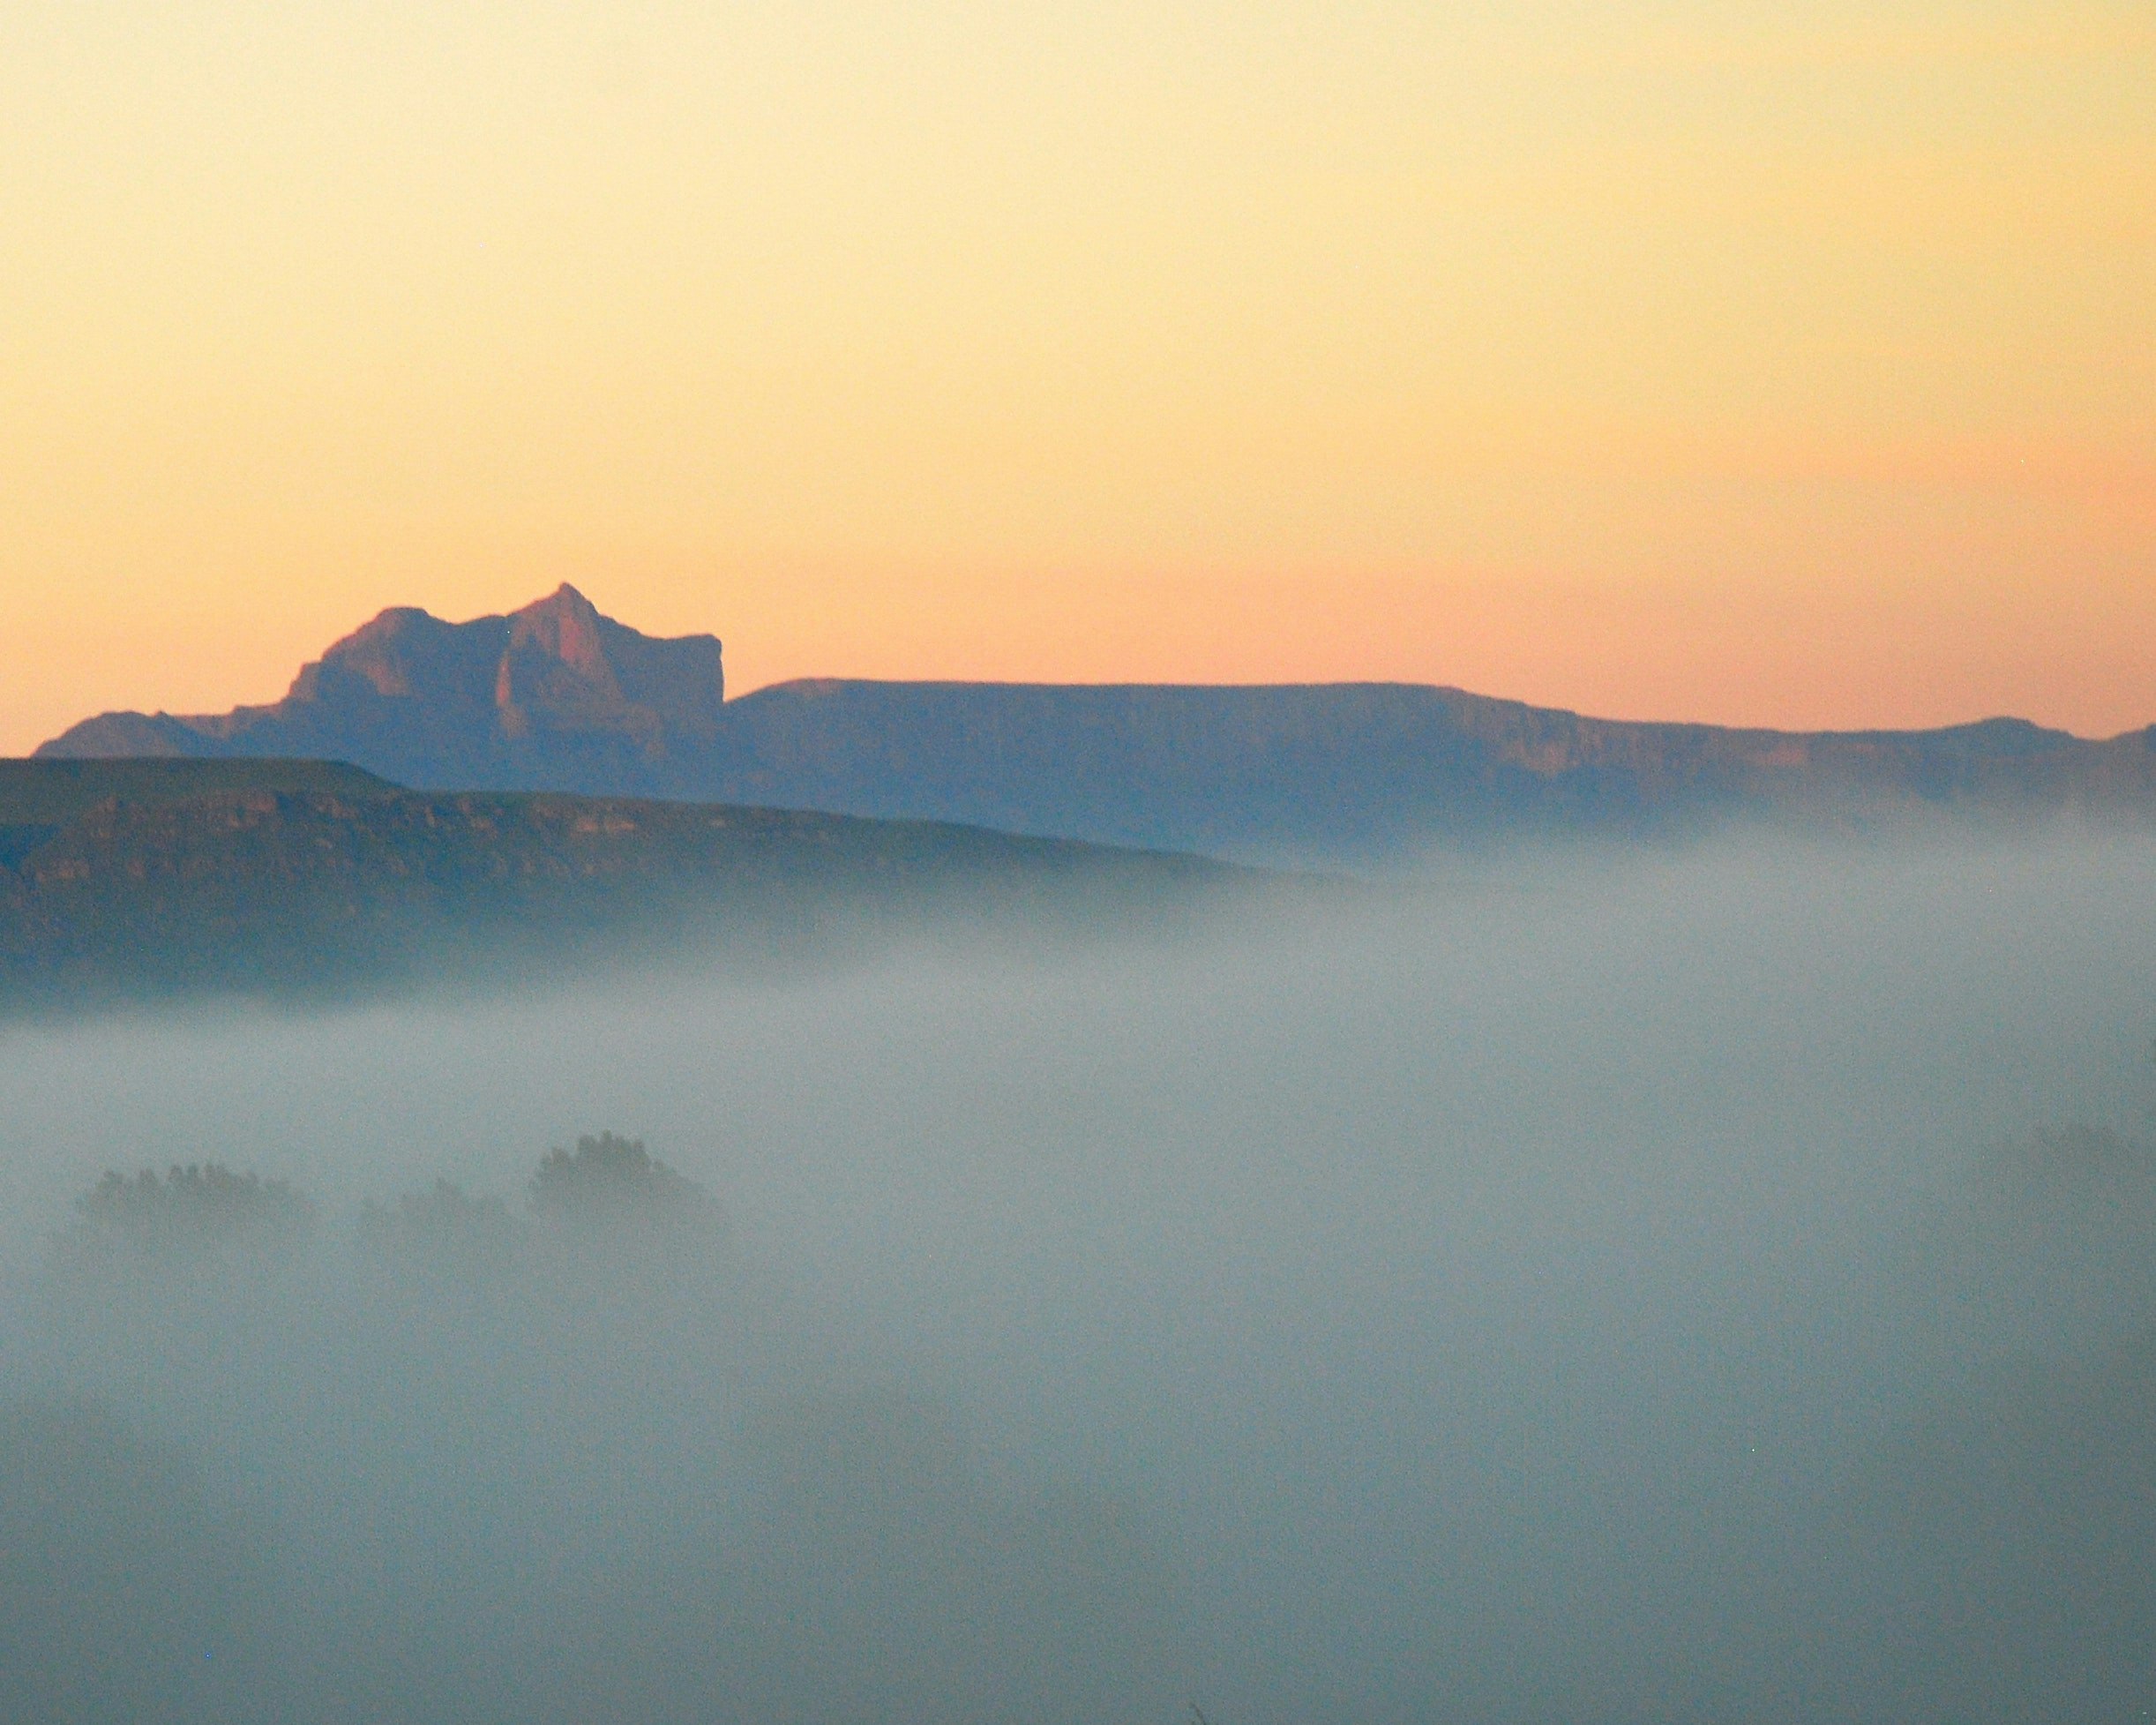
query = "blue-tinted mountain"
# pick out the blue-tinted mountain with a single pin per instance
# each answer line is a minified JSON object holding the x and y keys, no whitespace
{"x":551,"y":697}
{"x":557,"y":697}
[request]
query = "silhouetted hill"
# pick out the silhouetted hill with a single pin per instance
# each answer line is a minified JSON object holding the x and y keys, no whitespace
{"x":39,"y":798}
{"x":557,"y":697}
{"x":54,"y":792}
{"x":350,"y":882}
{"x":1350,"y":772}
{"x":554,"y":696}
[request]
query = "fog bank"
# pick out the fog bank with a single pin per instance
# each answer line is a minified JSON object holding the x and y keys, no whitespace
{"x":1681,"y":1287}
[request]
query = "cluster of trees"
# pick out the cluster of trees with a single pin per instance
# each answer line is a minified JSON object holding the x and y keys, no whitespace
{"x":608,"y":1187}
{"x":550,"y":1459}
{"x":615,"y":1177}
{"x":201,"y":1206}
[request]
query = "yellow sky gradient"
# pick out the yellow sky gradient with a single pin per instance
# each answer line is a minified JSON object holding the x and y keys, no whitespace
{"x":1741,"y":362}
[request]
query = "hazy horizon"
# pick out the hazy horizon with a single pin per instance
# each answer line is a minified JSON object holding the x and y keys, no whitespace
{"x":1672,"y":358}
{"x":734,"y":692}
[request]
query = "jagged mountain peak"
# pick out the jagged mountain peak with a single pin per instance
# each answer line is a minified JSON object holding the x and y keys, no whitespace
{"x":564,"y":629}
{"x":467,"y":702}
{"x":567,"y":599}
{"x":556,"y":651}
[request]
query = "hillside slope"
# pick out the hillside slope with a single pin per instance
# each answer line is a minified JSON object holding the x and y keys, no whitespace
{"x":39,"y":798}
{"x":324,"y":890}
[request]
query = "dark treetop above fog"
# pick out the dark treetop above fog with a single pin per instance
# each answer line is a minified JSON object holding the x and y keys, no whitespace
{"x":557,"y":697}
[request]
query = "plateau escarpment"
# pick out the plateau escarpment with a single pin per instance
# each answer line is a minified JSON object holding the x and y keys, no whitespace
{"x":557,"y":697}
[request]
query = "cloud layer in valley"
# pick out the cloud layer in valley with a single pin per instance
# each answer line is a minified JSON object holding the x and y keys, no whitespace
{"x":1681,"y":1287}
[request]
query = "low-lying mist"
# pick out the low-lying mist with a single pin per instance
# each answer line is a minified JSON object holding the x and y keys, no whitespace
{"x":1675,"y":1287}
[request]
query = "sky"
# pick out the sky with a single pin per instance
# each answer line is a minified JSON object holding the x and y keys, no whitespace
{"x":1655,"y":357}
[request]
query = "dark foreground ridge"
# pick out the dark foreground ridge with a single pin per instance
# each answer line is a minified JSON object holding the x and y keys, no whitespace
{"x":38,"y":798}
{"x":557,"y":697}
{"x":132,"y":876}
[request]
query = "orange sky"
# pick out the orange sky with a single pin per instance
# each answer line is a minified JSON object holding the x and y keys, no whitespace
{"x":1728,"y":361}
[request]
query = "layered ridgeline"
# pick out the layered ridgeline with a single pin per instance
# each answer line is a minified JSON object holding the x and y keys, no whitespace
{"x":118,"y":878}
{"x":557,"y":697}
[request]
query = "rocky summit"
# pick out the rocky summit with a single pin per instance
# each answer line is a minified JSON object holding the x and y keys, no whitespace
{"x":557,"y":697}
{"x":551,"y":692}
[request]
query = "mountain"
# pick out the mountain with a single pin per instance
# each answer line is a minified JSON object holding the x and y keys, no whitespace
{"x":137,"y":876}
{"x":554,"y":696}
{"x":1361,"y":773}
{"x":557,"y":697}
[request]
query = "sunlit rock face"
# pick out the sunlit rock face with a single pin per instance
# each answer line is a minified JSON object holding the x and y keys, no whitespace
{"x":565,"y":668}
{"x":553,"y":695}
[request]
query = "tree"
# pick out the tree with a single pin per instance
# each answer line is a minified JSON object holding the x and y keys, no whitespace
{"x":615,"y":1179}
{"x":202,"y":1207}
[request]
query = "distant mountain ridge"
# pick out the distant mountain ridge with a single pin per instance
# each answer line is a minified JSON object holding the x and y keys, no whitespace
{"x":557,"y":697}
